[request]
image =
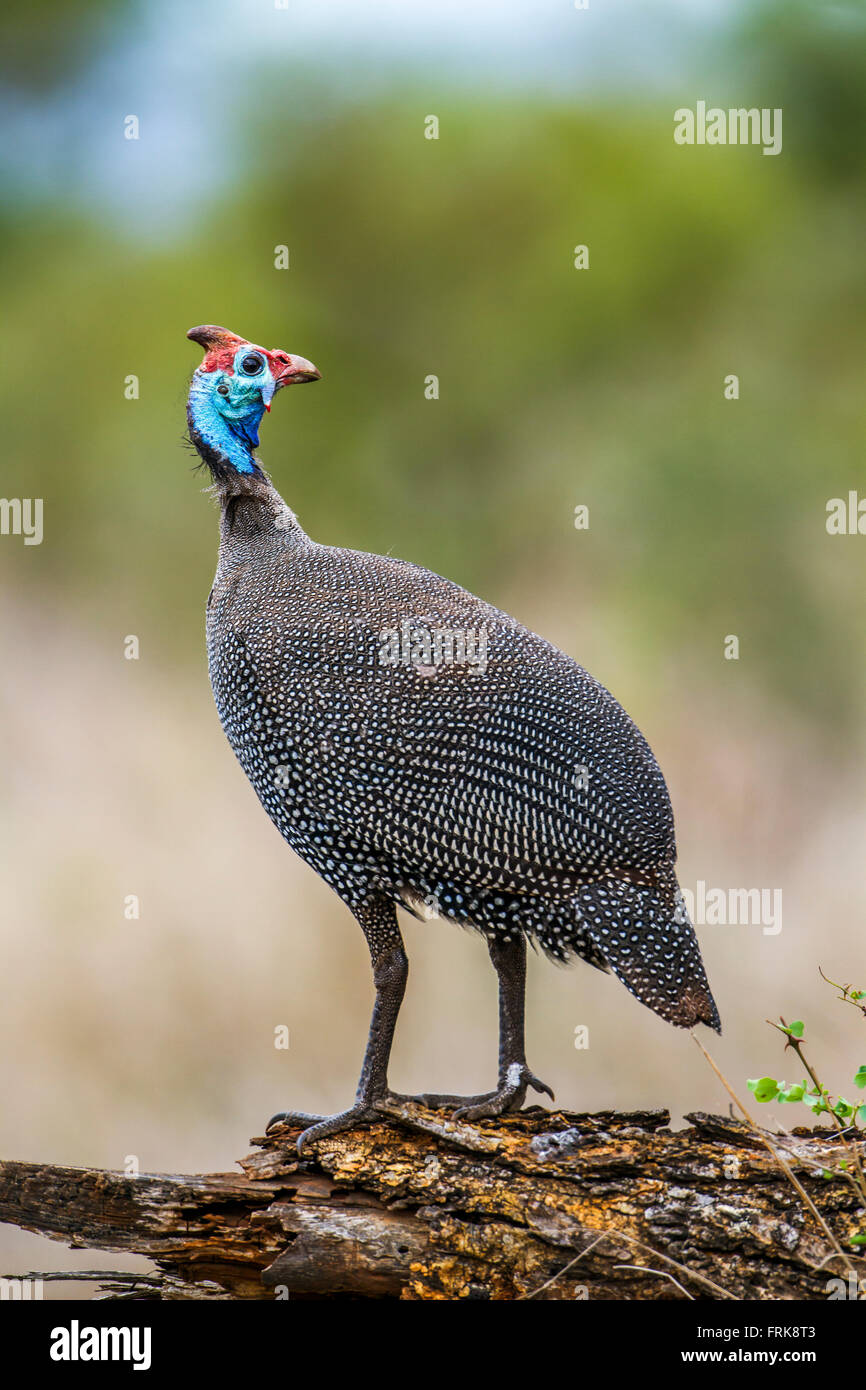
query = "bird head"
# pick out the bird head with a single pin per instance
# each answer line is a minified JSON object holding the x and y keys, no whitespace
{"x":230,"y":393}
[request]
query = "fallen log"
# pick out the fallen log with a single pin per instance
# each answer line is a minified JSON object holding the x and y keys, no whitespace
{"x":545,"y":1205}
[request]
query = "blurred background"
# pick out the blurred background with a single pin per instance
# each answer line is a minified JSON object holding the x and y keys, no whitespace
{"x":302,"y":126}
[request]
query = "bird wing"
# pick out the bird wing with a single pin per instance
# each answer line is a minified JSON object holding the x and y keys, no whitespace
{"x":498,"y":756}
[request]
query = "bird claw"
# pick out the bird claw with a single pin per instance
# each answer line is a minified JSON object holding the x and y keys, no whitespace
{"x":321,"y":1126}
{"x":506,"y":1099}
{"x":540,"y":1086}
{"x":293,"y":1117}
{"x":440,"y":1102}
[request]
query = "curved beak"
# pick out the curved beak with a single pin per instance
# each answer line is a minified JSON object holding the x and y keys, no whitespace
{"x":295,"y":371}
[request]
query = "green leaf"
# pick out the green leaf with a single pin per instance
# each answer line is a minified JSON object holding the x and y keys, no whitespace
{"x":860,"y":1077}
{"x":859,"y":1239}
{"x":795,"y":1029}
{"x":826,"y":1173}
{"x":861,"y":1114}
{"x":792,"y":1093}
{"x":764,"y":1089}
{"x":816,"y":1104}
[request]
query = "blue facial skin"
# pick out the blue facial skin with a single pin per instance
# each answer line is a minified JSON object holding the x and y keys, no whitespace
{"x":225,"y":409}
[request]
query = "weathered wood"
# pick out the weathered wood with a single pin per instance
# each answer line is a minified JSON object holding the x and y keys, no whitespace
{"x":545,"y":1205}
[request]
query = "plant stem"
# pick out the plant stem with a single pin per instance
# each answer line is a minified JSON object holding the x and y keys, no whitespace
{"x":777,"y":1158}
{"x":854,"y":1156}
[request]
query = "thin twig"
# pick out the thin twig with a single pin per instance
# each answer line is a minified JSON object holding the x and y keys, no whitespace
{"x":684,"y":1269}
{"x":796,"y":1044}
{"x":660,"y":1274}
{"x":87,"y":1276}
{"x":777,"y":1157}
{"x":525,"y":1296}
{"x":641,"y":1245}
{"x":844,"y":993}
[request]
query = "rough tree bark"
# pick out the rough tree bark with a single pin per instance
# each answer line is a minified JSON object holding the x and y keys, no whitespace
{"x":544,"y":1205}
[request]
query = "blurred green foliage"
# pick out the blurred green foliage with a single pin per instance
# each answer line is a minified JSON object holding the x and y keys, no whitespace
{"x":40,"y":46}
{"x":558,"y":386}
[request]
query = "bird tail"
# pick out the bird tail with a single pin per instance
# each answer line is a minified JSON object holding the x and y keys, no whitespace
{"x":645,"y":936}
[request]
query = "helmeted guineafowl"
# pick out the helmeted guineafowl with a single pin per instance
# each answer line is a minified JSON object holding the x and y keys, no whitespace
{"x":416,"y":746}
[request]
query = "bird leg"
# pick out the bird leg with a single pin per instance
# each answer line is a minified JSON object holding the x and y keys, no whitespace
{"x":509,"y":961}
{"x":378,"y":920}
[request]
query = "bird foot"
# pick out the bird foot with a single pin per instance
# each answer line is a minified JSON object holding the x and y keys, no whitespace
{"x":320,"y":1126}
{"x":506,"y":1099}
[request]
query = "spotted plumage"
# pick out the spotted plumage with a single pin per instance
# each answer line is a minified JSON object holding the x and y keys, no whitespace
{"x":416,"y":746}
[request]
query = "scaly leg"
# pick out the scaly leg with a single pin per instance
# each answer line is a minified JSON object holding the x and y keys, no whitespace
{"x":509,"y":961}
{"x":378,"y":919}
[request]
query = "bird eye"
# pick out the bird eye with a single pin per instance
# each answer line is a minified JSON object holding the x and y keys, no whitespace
{"x":252,"y":364}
